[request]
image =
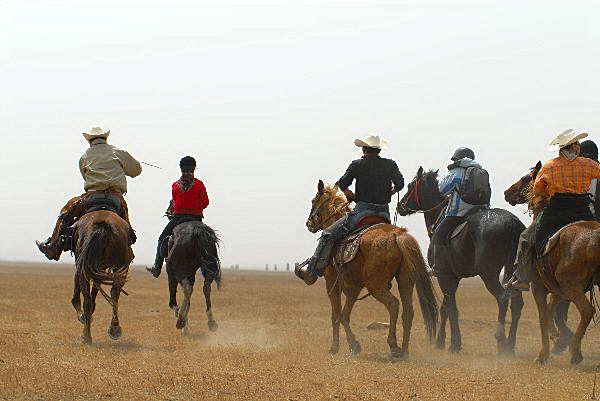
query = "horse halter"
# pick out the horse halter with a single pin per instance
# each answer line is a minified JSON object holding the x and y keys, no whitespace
{"x":415,"y":192}
{"x":315,"y":222}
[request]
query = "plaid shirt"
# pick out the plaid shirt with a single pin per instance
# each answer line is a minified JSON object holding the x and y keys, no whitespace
{"x":561,"y":175}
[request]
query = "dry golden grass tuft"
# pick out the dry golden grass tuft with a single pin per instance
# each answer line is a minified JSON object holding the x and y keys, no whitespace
{"x":272,"y":342}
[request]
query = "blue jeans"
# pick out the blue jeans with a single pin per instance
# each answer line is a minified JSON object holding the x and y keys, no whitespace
{"x":339,"y":230}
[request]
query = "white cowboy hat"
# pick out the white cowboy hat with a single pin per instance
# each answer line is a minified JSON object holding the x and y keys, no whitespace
{"x":96,"y":133}
{"x":566,"y":138}
{"x":371,"y":141}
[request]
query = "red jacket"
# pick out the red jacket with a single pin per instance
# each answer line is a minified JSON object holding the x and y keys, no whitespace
{"x":194,"y":201}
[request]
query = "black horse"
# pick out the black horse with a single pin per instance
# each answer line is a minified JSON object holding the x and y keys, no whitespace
{"x":487,"y":245}
{"x":192,"y":246}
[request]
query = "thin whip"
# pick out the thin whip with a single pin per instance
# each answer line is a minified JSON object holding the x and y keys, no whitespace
{"x":152,"y":165}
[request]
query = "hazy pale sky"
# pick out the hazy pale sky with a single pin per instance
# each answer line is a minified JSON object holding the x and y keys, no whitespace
{"x":269,"y":97}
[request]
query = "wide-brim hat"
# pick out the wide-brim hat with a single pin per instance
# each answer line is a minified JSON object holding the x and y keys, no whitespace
{"x":566,"y":138}
{"x":96,"y":133}
{"x":371,"y":141}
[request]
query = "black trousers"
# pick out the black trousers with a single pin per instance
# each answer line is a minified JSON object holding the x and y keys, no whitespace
{"x":440,"y":239}
{"x":174,"y":222}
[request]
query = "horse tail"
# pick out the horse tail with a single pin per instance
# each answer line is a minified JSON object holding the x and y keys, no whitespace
{"x":210,"y":242}
{"x":515,"y":230}
{"x":89,"y":259}
{"x":414,"y":261}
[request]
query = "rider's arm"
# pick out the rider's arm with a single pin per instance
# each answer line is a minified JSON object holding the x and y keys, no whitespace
{"x":450,"y":182}
{"x":82,"y":166}
{"x":397,"y":178}
{"x":347,"y":178}
{"x":204,"y":201}
{"x":131,"y":166}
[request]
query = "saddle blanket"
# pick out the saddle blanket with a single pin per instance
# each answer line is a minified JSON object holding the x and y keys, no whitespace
{"x":348,"y":248}
{"x":554,"y":239}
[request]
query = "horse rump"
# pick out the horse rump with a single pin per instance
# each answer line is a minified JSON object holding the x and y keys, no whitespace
{"x":90,"y":259}
{"x":198,"y":244}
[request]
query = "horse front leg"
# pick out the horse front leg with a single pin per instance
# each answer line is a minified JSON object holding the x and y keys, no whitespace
{"x":182,"y":317}
{"x":172,"y":293}
{"x":540,"y":294}
{"x":114,"y":331}
{"x":449,"y":285}
{"x":212,"y":323}
{"x":441,"y":337}
{"x":351,"y":297}
{"x":334,"y":292}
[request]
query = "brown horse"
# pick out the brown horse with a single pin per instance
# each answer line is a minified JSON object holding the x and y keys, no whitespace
{"x":566,"y":272}
{"x":386,"y":252}
{"x":102,"y":257}
{"x":521,"y":193}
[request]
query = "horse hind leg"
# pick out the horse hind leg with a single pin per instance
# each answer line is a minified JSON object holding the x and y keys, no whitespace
{"x":351,"y":297}
{"x":586,"y":310}
{"x":87,"y":310}
{"x":540,"y":294}
{"x":392,"y":305}
{"x":493,"y":286}
{"x":173,"y":293}
{"x":565,"y":335}
{"x":406,"y":287}
{"x":114,"y":331}
{"x":449,"y":285}
{"x":212,"y":323}
{"x":182,"y":316}
{"x":516,"y":308}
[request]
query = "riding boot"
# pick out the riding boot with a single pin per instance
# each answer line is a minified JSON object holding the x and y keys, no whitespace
{"x":322,"y":257}
{"x":68,"y":214}
{"x":157,"y":267}
{"x":301,"y":272}
{"x":49,"y":249}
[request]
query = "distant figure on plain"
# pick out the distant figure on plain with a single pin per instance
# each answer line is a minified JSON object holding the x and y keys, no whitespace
{"x":104,"y":169}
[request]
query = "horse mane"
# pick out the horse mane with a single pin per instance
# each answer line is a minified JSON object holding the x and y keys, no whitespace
{"x":337,"y":197}
{"x":431,"y":178}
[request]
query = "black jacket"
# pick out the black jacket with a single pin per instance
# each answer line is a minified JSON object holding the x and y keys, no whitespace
{"x":374,"y":178}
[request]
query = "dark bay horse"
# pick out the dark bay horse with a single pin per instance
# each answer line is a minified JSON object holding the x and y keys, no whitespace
{"x":192,"y":246}
{"x":386,"y":252}
{"x":521,"y":193}
{"x":487,"y":245}
{"x":102,"y":257}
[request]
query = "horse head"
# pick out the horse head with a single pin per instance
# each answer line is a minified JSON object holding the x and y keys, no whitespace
{"x":325,"y":207}
{"x":422,"y":193}
{"x":519,"y":192}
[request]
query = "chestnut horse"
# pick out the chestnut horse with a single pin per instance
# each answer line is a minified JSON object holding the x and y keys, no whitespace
{"x":386,"y":252}
{"x":521,"y":193}
{"x":488,"y":244}
{"x":566,"y":271}
{"x":102,"y":257}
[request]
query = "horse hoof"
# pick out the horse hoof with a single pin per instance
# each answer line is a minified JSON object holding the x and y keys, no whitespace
{"x":87,"y":340}
{"x":115,"y":332}
{"x":355,"y":349}
{"x":455,"y":349}
{"x":181,"y":322}
{"x":399,"y":355}
{"x":559,"y":347}
{"x":334,"y":350}
{"x":212,"y":325}
{"x":541,"y":360}
{"x":440,"y":344}
{"x":576,"y":358}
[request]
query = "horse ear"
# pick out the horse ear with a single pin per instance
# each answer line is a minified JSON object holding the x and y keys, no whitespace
{"x":437,"y":171}
{"x":538,"y":165}
{"x":320,"y":187}
{"x":420,"y":172}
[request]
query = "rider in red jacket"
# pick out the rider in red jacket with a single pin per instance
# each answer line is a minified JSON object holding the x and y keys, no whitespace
{"x":189,"y":199}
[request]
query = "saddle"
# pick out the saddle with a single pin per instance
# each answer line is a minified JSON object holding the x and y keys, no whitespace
{"x":102,"y":201}
{"x":348,"y":247}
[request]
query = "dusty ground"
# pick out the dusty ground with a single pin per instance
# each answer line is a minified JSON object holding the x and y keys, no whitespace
{"x":271,"y":345}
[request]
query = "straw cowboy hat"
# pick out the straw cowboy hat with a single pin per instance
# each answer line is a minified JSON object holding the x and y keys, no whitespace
{"x":371,"y":141}
{"x":566,"y":138}
{"x":96,"y":133}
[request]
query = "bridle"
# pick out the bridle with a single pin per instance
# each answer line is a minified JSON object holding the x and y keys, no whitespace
{"x":315,"y":218}
{"x":415,"y":192}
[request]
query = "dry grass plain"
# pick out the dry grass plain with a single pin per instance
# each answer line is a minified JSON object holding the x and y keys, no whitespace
{"x":274,"y":333}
